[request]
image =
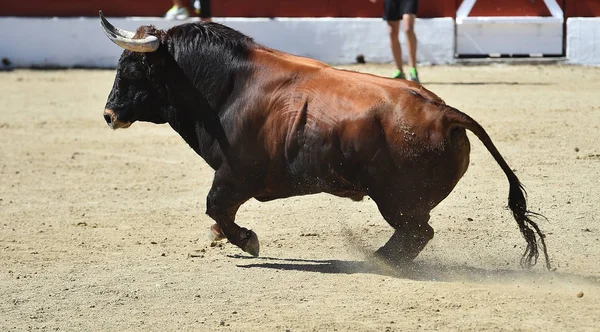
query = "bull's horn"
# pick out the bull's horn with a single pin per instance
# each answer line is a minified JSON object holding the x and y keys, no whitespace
{"x":108,"y":26}
{"x":125,"y":39}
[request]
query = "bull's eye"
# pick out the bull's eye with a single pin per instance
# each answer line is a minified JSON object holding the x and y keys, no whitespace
{"x":132,"y":73}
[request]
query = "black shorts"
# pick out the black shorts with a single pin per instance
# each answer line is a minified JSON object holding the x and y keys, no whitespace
{"x":394,"y":9}
{"x":205,"y":9}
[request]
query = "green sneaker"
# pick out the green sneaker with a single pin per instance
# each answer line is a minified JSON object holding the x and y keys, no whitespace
{"x":413,"y":75}
{"x":399,"y":74}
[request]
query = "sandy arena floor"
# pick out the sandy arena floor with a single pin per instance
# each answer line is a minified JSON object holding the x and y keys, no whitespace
{"x":106,"y":231}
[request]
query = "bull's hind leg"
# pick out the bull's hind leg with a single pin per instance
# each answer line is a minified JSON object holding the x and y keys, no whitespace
{"x":222,"y":203}
{"x":406,"y":243}
{"x":411,"y":234}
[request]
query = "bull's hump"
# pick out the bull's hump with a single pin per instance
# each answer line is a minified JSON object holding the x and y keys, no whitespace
{"x":282,"y":60}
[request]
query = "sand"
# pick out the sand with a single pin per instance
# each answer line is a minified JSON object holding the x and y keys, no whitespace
{"x":106,"y":231}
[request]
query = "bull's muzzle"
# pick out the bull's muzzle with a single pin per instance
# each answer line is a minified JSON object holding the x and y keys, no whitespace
{"x":112,"y":121}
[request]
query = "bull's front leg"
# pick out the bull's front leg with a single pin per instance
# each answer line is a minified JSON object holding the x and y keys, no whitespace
{"x":216,"y":234}
{"x":222,"y":203}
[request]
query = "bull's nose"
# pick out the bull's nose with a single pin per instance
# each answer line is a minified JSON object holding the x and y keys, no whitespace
{"x":113,"y":121}
{"x":108,"y":119}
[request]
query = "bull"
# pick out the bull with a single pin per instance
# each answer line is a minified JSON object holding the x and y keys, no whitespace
{"x":273,"y":125}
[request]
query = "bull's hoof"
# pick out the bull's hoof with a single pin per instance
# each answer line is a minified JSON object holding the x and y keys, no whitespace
{"x":252,"y":245}
{"x":216,"y":234}
{"x":393,"y":257}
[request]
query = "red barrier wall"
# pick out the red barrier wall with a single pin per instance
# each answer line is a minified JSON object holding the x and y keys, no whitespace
{"x":220,"y":8}
{"x":582,"y":8}
{"x":45,"y":8}
{"x":510,"y":8}
{"x":291,"y":8}
{"x":323,"y":8}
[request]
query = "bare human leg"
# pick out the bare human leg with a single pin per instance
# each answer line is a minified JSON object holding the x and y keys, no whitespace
{"x":408,"y":25}
{"x":393,"y":32}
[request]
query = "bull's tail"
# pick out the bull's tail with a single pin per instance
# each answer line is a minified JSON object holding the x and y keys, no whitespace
{"x":516,"y":196}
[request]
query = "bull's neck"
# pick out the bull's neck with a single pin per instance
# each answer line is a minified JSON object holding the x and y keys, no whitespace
{"x":194,"y":116}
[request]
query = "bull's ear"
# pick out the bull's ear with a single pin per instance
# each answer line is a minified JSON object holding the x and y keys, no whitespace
{"x":157,"y":58}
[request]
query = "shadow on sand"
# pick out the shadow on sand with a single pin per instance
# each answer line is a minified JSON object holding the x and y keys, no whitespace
{"x":419,"y":271}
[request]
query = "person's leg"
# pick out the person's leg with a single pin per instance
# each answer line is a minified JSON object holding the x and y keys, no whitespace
{"x":411,"y":38}
{"x":409,"y":14}
{"x":205,"y":12}
{"x":392,"y":15}
{"x":393,"y":32}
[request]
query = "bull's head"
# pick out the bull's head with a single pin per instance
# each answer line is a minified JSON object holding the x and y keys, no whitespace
{"x":134,"y":96}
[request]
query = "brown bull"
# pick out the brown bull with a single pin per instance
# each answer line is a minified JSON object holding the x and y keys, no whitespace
{"x":274,"y":125}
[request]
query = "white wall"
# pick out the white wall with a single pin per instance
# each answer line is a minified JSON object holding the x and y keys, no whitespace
{"x":583,"y":40}
{"x":509,"y":35}
{"x":68,"y":42}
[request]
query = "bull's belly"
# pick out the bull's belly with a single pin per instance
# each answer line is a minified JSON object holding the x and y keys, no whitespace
{"x":302,"y":181}
{"x":355,"y":196}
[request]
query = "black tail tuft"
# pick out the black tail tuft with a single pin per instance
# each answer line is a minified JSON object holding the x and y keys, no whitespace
{"x":518,"y":205}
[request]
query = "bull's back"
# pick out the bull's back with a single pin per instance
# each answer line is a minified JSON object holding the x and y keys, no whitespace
{"x":324,"y":103}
